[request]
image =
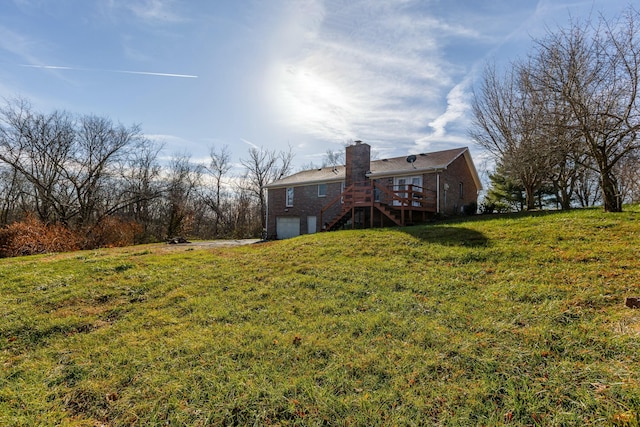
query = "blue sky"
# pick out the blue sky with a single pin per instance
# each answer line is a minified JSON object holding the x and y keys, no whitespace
{"x":310,"y":74}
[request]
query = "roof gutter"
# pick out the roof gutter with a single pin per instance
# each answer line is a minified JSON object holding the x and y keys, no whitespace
{"x":391,"y":174}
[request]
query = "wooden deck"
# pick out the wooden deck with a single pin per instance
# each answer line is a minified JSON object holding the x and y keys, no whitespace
{"x":370,"y":204}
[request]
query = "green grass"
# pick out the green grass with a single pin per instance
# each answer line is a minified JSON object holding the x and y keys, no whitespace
{"x":515,"y":320}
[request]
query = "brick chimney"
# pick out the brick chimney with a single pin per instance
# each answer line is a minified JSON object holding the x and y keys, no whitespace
{"x":358,"y":162}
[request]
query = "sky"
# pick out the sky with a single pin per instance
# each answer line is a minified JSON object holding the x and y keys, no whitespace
{"x":305,"y":75}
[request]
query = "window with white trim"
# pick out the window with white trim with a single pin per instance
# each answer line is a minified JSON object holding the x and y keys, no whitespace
{"x":289,"y":198}
{"x":322,"y":190}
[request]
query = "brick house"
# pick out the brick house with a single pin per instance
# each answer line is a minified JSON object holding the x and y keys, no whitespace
{"x":363,"y":193}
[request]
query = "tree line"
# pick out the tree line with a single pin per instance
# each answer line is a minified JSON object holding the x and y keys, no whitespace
{"x":563,"y":123}
{"x":94,"y":178}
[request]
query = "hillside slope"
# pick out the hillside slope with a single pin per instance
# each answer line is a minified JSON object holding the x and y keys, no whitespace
{"x":516,"y":320}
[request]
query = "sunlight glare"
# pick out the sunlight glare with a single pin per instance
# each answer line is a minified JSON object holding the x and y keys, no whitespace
{"x":311,"y":102}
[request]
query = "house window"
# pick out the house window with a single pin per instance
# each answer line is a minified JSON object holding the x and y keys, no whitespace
{"x":461,"y":188}
{"x":322,"y":190}
{"x":289,"y":200}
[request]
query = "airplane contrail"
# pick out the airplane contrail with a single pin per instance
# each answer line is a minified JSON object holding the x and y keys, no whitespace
{"x":145,"y":73}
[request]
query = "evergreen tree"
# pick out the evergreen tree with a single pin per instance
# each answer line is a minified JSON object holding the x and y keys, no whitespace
{"x":506,"y":194}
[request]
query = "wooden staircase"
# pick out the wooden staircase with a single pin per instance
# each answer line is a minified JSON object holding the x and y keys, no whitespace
{"x":390,"y":214}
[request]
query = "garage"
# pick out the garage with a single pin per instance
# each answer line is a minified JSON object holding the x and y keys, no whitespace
{"x":287,"y":227}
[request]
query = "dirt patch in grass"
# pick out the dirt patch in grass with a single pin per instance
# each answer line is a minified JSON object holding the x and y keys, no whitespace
{"x":205,"y":244}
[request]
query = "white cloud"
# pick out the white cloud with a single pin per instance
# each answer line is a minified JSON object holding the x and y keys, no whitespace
{"x":369,"y":70}
{"x":250,"y":144}
{"x":18,"y":45}
{"x":154,"y":10}
{"x":457,"y":105}
{"x":149,"y":11}
{"x":392,"y":74}
{"x":173,"y":145}
{"x":21,"y":49}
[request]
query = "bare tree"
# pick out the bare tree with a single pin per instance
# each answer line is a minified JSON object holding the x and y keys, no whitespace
{"x":37,"y":146}
{"x":573,"y":105}
{"x":219,"y":167}
{"x":245,"y":214}
{"x":140,"y":178}
{"x":566,"y":157}
{"x":507,"y":117}
{"x":587,"y":188}
{"x":628,"y":172}
{"x":262,"y":168}
{"x":595,"y":71}
{"x":11,"y":189}
{"x":183,"y":179}
{"x":72,"y":166}
{"x":100,"y":146}
{"x":333,"y":158}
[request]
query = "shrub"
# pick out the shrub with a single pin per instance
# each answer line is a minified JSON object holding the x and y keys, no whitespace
{"x":113,"y":232}
{"x":470,"y":209}
{"x":487,"y":207}
{"x":32,"y":236}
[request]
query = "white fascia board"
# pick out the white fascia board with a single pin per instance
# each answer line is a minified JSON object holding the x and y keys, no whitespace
{"x":403,"y":172}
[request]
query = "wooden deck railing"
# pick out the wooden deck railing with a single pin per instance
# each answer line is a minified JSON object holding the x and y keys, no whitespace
{"x":405,"y":199}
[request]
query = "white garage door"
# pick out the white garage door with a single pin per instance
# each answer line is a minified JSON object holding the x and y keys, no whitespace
{"x":287,"y":227}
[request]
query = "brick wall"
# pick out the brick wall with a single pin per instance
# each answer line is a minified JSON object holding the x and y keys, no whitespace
{"x":305,"y":203}
{"x":457,"y":173}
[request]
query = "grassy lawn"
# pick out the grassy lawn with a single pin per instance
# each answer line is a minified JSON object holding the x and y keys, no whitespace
{"x":515,"y":320}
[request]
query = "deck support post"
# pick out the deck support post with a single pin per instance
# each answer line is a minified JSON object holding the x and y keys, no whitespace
{"x":353,"y":217}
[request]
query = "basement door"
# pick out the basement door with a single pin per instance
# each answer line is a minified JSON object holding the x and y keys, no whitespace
{"x":311,"y":224}
{"x":287,"y":227}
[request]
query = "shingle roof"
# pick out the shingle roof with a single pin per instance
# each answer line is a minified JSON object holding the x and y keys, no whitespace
{"x":423,"y":162}
{"x":327,"y":174}
{"x":386,"y":167}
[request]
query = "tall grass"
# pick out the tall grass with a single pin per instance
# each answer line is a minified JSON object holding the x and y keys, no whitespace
{"x":514,"y":320}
